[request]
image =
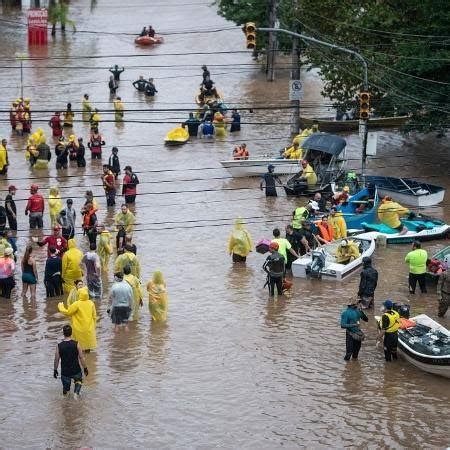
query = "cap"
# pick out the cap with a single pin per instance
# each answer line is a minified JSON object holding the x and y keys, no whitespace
{"x":346,"y":189}
{"x":8,"y":251}
{"x":388,"y":304}
{"x":11,"y":187}
{"x":274,"y":246}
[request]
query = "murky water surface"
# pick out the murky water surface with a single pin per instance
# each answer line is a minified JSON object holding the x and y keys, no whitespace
{"x":230,"y":368}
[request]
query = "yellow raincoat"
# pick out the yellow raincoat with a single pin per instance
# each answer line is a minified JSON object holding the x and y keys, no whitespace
{"x":292,"y":153}
{"x":126,"y":220}
{"x":54,"y":205}
{"x":158,"y":301}
{"x":389,"y":213}
{"x":240,"y":241}
{"x":83,"y":317}
{"x":104,"y":249}
{"x":344,"y":253}
{"x":128,"y":258}
{"x":71,"y":265}
{"x":302,"y":136}
{"x":72,"y":297}
{"x":309,"y":174}
{"x":118,"y":110}
{"x":3,"y":157}
{"x":86,"y":105}
{"x":68,"y":118}
{"x":137,"y":294}
{"x":339,"y":225}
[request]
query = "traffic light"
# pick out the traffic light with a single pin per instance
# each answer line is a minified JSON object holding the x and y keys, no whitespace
{"x":250,"y":34}
{"x":364,"y":105}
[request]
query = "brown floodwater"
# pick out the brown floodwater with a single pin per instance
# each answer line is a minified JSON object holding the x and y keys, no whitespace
{"x":230,"y":368}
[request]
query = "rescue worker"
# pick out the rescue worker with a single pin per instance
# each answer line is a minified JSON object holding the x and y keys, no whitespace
{"x":83,"y":317}
{"x":90,"y":222}
{"x":118,"y":109}
{"x":388,"y":328}
{"x":68,"y":116}
{"x":43,"y":154}
{"x":236,"y":121}
{"x":81,"y":150}
{"x":35,"y":207}
{"x":150,"y":88}
{"x":337,"y":221}
{"x":389,"y":213}
{"x":346,"y":252}
{"x":129,"y":185}
{"x":140,"y":84}
{"x":3,"y":157}
{"x":71,"y":265}
{"x":443,"y":290}
{"x":95,"y":120}
{"x":128,"y":258}
{"x":308,"y":175}
{"x":109,"y":185}
{"x":116,"y":71}
{"x":326,"y":231}
{"x":54,"y":204}
{"x":240,"y":242}
{"x":95,"y":144}
{"x":417,"y":262}
{"x":62,"y":154}
{"x":206,"y":130}
{"x":350,"y":320}
{"x":86,"y":106}
{"x":367,"y":283}
{"x":114,"y":163}
{"x":104,"y":249}
{"x":302,"y":213}
{"x":71,"y":355}
{"x":151,"y":31}
{"x":55,"y":241}
{"x":192,"y":125}
{"x":293,"y":152}
{"x":284,"y":246}
{"x":113,"y":85}
{"x":55,"y":125}
{"x":144,"y":32}
{"x":268,"y":181}
{"x":11,"y":209}
{"x":158,"y":301}
{"x":274,"y":266}
{"x":241,"y":152}
{"x":137,"y":292}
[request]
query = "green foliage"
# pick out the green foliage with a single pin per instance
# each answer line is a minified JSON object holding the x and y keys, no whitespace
{"x":405,"y":42}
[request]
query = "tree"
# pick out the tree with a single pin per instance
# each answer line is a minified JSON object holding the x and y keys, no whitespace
{"x":405,"y":42}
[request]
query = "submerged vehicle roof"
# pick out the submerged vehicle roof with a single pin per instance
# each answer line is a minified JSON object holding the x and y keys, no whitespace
{"x":325,"y":142}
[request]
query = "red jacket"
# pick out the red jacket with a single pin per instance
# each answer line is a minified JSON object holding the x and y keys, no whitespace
{"x":129,"y":188}
{"x":35,"y":204}
{"x":57,"y":242}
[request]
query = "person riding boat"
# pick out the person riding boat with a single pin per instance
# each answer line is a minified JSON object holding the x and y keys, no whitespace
{"x":326,"y":231}
{"x":144,"y":32}
{"x":346,"y":252}
{"x":341,"y":198}
{"x":241,"y":152}
{"x":389,"y":213}
{"x":308,"y":174}
{"x":293,"y":152}
{"x":206,"y":75}
{"x":337,"y":221}
{"x":151,"y":32}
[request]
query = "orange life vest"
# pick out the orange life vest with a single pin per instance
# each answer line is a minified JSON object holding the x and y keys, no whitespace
{"x":326,"y":231}
{"x":87,"y":218}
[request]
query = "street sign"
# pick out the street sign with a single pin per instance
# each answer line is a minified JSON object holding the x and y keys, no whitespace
{"x":371,"y":149}
{"x":37,"y":26}
{"x":295,"y":90}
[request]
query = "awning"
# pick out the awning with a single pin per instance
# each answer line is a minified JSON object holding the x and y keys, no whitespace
{"x":324,"y":142}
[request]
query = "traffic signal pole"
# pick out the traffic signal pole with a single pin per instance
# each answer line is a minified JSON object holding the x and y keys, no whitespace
{"x":363,"y":122}
{"x":295,"y":74}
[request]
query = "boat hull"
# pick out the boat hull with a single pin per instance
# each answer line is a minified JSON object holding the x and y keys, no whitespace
{"x":333,"y":126}
{"x":239,"y":168}
{"x":332,"y":270}
{"x":148,"y":41}
{"x":354,"y":220}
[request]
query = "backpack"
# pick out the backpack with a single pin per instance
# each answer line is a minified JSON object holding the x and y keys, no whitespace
{"x":134,"y":179}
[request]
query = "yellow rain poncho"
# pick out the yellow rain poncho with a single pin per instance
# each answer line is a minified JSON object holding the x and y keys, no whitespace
{"x":73,"y":296}
{"x":137,"y":294}
{"x":83,"y":317}
{"x":158,"y":301}
{"x":309,"y":175}
{"x":118,"y":110}
{"x":240,"y":241}
{"x":302,"y":136}
{"x":71,"y":265}
{"x":346,"y":252}
{"x":389,"y":213}
{"x":54,"y":205}
{"x":104,"y":249}
{"x":3,"y":157}
{"x":339,"y":225}
{"x":86,"y":106}
{"x":126,"y":220}
{"x":128,"y":258}
{"x":293,"y":153}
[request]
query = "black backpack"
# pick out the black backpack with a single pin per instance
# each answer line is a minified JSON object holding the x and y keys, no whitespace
{"x":134,"y":179}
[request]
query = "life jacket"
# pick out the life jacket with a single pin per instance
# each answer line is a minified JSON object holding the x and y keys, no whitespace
{"x":240,"y":153}
{"x":326,"y":231}
{"x":87,"y":218}
{"x":299,"y":217}
{"x":394,"y":321}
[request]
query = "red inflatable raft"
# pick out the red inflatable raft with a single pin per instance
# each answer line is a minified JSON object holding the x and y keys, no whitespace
{"x":147,"y":40}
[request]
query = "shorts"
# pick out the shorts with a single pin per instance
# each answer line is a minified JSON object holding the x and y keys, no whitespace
{"x":28,"y":278}
{"x":120,"y":315}
{"x":36,"y":220}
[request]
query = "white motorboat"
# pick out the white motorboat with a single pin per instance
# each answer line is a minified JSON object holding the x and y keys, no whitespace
{"x":321,"y":263}
{"x":426,"y":346}
{"x":255,"y":167}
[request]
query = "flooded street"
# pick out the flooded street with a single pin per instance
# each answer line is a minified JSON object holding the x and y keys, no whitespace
{"x":231,"y":368}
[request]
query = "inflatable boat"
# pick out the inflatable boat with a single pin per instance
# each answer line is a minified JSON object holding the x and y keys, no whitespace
{"x":147,"y":40}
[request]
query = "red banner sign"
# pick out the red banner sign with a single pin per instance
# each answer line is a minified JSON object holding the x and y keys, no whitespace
{"x":37,"y":26}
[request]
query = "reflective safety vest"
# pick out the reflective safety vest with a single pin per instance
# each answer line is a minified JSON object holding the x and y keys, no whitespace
{"x":394,"y":321}
{"x":300,"y":215}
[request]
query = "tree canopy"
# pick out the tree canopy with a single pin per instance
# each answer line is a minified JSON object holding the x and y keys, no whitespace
{"x":406,"y":44}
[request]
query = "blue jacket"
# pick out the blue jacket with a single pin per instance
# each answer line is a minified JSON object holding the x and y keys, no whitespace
{"x":349,"y":318}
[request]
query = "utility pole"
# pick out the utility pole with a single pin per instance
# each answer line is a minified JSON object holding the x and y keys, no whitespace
{"x":273,"y":40}
{"x":295,"y":73}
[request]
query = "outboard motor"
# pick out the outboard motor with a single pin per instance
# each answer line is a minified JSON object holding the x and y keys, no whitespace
{"x":314,"y":268}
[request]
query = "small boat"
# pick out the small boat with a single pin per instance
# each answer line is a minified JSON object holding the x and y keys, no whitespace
{"x":326,"y":154}
{"x":420,"y":228}
{"x":321,"y":263}
{"x":147,"y":40}
{"x":426,"y":346}
{"x":443,"y":256}
{"x":354,"y":219}
{"x":177,"y":136}
{"x":255,"y":167}
{"x":406,"y":191}
{"x":336,"y":126}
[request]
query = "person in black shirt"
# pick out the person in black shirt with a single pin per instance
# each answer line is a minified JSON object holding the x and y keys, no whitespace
{"x":307,"y":238}
{"x":140,"y":84}
{"x":274,"y":266}
{"x":150,"y":88}
{"x":71,"y":356}
{"x":294,"y":238}
{"x":116,"y":72}
{"x":114,"y":163}
{"x":367,"y":283}
{"x":52,"y":277}
{"x":269,"y":180}
{"x":3,"y":218}
{"x":81,"y":150}
{"x":206,"y":75}
{"x":10,"y":206}
{"x":192,"y":125}
{"x":62,"y":154}
{"x":113,"y":85}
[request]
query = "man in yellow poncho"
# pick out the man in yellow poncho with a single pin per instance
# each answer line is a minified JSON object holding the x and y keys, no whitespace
{"x":104,"y":249}
{"x":346,"y":252}
{"x":128,"y":258}
{"x":86,"y":105}
{"x":71,"y":265}
{"x":293,"y":152}
{"x":83,"y":317}
{"x":337,"y":221}
{"x":3,"y":157}
{"x":54,"y":205}
{"x":137,"y":291}
{"x":240,"y":242}
{"x":308,"y":174}
{"x":158,"y":301}
{"x":118,"y":109}
{"x":125,"y":218}
{"x":389,"y":213}
{"x":73,"y":295}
